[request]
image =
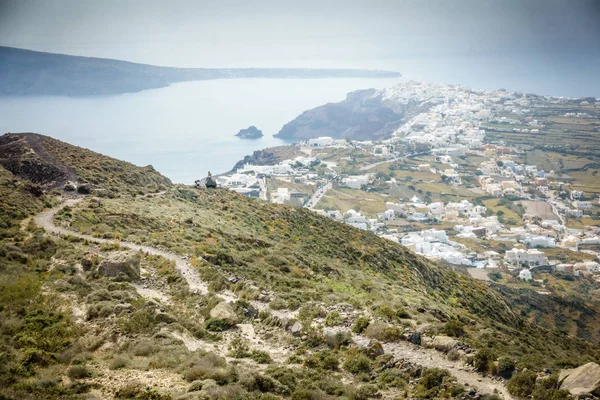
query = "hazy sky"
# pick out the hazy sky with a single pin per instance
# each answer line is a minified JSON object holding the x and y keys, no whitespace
{"x":560,"y":36}
{"x":220,"y":32}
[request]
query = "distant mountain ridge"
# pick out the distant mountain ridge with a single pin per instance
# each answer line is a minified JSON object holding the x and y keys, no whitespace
{"x":27,"y":72}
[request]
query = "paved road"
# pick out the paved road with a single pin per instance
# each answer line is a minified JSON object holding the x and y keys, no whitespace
{"x":318,"y":195}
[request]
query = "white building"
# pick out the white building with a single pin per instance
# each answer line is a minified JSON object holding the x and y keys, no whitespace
{"x":530,"y":257}
{"x":437,"y":208}
{"x":539,"y":241}
{"x":525,"y":275}
{"x":356,"y":181}
{"x":435,"y":235}
{"x":325,"y":141}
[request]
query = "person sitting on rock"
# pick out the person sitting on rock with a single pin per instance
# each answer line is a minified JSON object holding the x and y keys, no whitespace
{"x":210,"y":182}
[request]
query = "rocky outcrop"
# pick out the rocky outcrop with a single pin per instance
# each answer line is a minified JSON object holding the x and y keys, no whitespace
{"x":259,"y":157}
{"x":225,"y":312}
{"x":121,"y":264}
{"x":581,"y":380}
{"x":444,"y":343}
{"x":24,"y":156}
{"x":251,"y":132}
{"x":364,"y":115}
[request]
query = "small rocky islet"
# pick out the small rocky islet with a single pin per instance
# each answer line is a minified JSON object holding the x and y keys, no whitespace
{"x":251,"y":132}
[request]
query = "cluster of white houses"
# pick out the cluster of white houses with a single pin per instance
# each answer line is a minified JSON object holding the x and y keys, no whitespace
{"x":453,"y":127}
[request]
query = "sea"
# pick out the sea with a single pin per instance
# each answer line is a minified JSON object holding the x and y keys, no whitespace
{"x":184,"y":130}
{"x":188,"y":129}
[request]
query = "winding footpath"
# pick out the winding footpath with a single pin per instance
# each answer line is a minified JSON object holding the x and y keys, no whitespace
{"x":427,"y":358}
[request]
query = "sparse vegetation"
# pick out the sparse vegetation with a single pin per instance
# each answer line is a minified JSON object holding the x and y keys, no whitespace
{"x":60,"y":317}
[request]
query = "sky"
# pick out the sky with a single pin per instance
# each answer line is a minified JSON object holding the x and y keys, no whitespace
{"x":561,"y":36}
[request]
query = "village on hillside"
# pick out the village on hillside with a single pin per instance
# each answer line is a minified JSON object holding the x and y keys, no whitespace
{"x":470,"y":182}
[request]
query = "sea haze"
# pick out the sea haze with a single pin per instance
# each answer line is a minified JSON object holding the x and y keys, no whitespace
{"x":183,"y":130}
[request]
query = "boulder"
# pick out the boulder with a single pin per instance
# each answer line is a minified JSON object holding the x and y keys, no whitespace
{"x":412,"y":336}
{"x":70,"y":186}
{"x":225,"y":312}
{"x":84,"y":189}
{"x":374,"y":349}
{"x":122,"y":263}
{"x":581,"y":380}
{"x":336,"y":337}
{"x":165,"y":317}
{"x":95,"y":203}
{"x":296,"y":329}
{"x":444,"y":343}
{"x":426,"y":341}
{"x":426,"y":329}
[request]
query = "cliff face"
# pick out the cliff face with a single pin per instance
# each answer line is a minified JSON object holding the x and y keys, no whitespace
{"x":259,"y":157}
{"x":363,"y":115}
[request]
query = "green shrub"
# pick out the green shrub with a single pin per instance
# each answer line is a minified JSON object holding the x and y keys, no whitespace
{"x":332,"y":387}
{"x":144,"y":349}
{"x":118,"y":363}
{"x":391,"y":314}
{"x":483,"y":359}
{"x":454,"y":328}
{"x":304,"y":394}
{"x":547,"y":389}
{"x":141,"y":321}
{"x":364,"y":392}
{"x":393,"y":378}
{"x":360,"y":324}
{"x":325,"y":359}
{"x":430,"y":383}
{"x":238,"y":348}
{"x":506,"y":366}
{"x":522,"y":384}
{"x":386,"y":312}
{"x":356,"y":362}
{"x":211,"y":366}
{"x":260,"y":356}
{"x":334,"y":318}
{"x":135,"y":391}
{"x":79,"y":372}
{"x":217,"y":325}
{"x":383,"y":332}
{"x":278,"y":304}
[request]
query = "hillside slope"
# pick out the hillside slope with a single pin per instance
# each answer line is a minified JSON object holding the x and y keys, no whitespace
{"x":224,"y":296}
{"x":26,"y":72}
{"x":50,"y":163}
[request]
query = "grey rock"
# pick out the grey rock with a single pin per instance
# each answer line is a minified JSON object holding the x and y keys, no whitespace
{"x":225,"y":312}
{"x":121,"y":263}
{"x":581,"y":380}
{"x":296,"y":329}
{"x":70,"y":186}
{"x":165,"y":317}
{"x":444,"y":343}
